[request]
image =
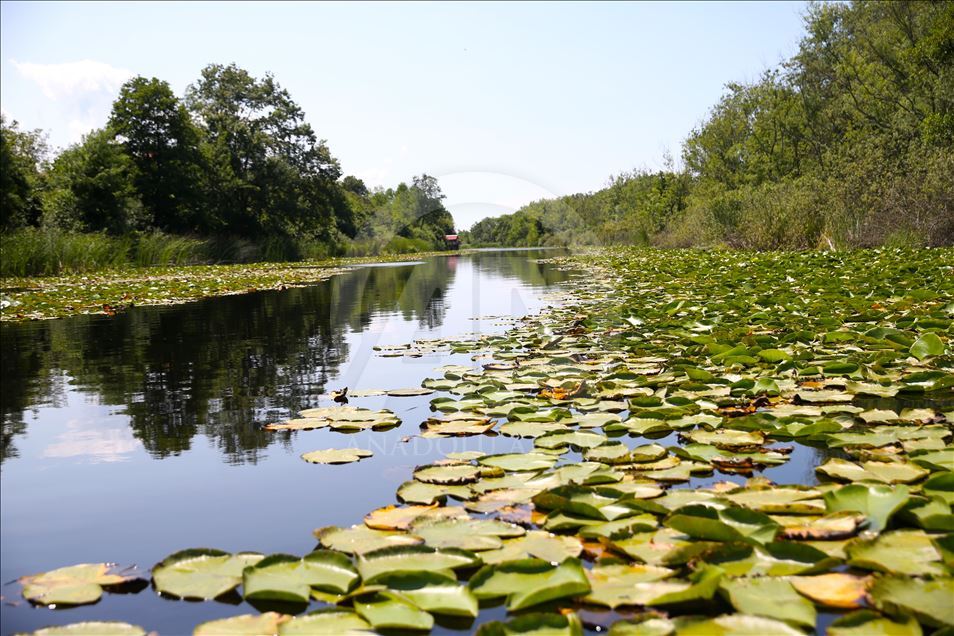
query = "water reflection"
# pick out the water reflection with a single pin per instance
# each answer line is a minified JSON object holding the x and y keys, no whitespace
{"x":222,"y":366}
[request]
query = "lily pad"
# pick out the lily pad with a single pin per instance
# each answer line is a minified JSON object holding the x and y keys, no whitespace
{"x":73,"y":585}
{"x":333,"y":621}
{"x":770,"y":597}
{"x":836,"y":589}
{"x":616,"y":585}
{"x":336,"y":455}
{"x":529,"y":582}
{"x":534,"y":624}
{"x":433,"y":593}
{"x":265,"y":624}
{"x":360,"y":539}
{"x":899,"y":552}
{"x":868,"y":623}
{"x":729,"y":524}
{"x":201,"y":574}
{"x":411,"y":559}
{"x":877,"y":503}
{"x":282,"y":577}
{"x":91,"y":628}
{"x":927,"y":601}
{"x":465,"y":533}
{"x":386,"y":610}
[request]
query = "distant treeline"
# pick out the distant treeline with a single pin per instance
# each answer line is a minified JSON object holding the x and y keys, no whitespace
{"x":848,"y":143}
{"x":233,"y":166}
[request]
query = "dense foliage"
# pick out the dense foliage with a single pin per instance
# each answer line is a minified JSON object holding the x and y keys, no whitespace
{"x":849,"y":142}
{"x":235,"y":158}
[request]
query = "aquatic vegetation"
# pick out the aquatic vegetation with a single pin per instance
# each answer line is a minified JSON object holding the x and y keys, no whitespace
{"x":655,"y":402}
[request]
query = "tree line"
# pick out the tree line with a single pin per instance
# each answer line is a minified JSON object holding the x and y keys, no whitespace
{"x":233,"y":158}
{"x":849,"y":142}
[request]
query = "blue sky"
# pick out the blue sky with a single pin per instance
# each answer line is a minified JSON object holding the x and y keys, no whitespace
{"x":504,"y":103}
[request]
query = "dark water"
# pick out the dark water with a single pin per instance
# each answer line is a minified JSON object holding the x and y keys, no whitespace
{"x":128,"y":438}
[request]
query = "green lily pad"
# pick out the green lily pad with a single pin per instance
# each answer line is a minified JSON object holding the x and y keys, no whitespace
{"x":900,"y":552}
{"x":447,"y":474}
{"x":433,"y":593}
{"x":576,"y":439}
{"x":336,"y":455}
{"x":878,"y":503}
{"x":734,"y":625}
{"x":243,"y":625}
{"x":884,"y":472}
{"x":360,"y":539}
{"x":770,"y":597}
{"x":534,"y":624}
{"x":90,"y":628}
{"x":868,"y":623}
{"x":417,"y":492}
{"x":332,"y":621}
{"x":927,"y":601}
{"x":282,"y":577}
{"x":926,"y":346}
{"x":538,"y":544}
{"x":73,"y":585}
{"x":201,"y":574}
{"x":299,"y":424}
{"x":616,"y":585}
{"x":529,"y":582}
{"x":411,"y":559}
{"x":729,"y":524}
{"x":386,"y":610}
{"x":518,"y":461}
{"x":466,"y":534}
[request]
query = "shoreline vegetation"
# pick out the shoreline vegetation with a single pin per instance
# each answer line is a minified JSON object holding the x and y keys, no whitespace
{"x":848,"y":143}
{"x":110,"y":291}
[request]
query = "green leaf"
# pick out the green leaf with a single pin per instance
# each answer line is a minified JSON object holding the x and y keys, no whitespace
{"x":615,"y":585}
{"x":900,"y":552}
{"x":928,"y":345}
{"x":529,"y":582}
{"x":868,"y":623}
{"x":433,"y":593}
{"x":332,"y":621}
{"x":266,"y":624}
{"x":386,"y":610}
{"x":878,"y":503}
{"x":73,"y":585}
{"x":281,"y":577}
{"x":201,"y":574}
{"x":729,"y":524}
{"x":336,"y":455}
{"x":927,"y":601}
{"x":360,"y":539}
{"x":534,"y":624}
{"x":536,"y":543}
{"x":734,"y":625}
{"x":91,"y":628}
{"x":447,"y":474}
{"x":466,"y":534}
{"x":770,"y":597}
{"x":414,"y":558}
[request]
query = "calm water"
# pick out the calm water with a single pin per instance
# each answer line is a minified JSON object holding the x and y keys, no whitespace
{"x":128,"y":438}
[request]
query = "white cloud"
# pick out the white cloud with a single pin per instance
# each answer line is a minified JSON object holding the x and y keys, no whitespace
{"x":82,"y":92}
{"x":72,"y":79}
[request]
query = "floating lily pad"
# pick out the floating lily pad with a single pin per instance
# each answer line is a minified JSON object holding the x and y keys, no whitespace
{"x":400,"y":517}
{"x":433,"y":593}
{"x":928,"y":601}
{"x":243,"y":625}
{"x":616,"y":585}
{"x":878,"y":503}
{"x":73,"y":585}
{"x":466,"y":534}
{"x":770,"y":597}
{"x":334,"y":621}
{"x":899,"y":552}
{"x":538,"y":544}
{"x":202,"y":574}
{"x":735,"y":625}
{"x":868,"y":623}
{"x":385,"y":610}
{"x":91,"y":628}
{"x":283,"y":577}
{"x":410,"y":559}
{"x":360,"y":539}
{"x":447,"y":474}
{"x":529,"y":582}
{"x":534,"y":624}
{"x":518,"y":461}
{"x":729,"y":524}
{"x":336,"y":455}
{"x":836,"y":589}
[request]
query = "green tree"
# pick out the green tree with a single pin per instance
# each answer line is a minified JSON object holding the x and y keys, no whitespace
{"x":158,"y":134}
{"x":22,"y":160}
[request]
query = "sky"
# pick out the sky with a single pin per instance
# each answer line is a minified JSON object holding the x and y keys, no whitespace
{"x":505,"y":103}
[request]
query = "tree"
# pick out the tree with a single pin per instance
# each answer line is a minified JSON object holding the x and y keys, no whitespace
{"x":22,"y":159}
{"x":93,"y":187}
{"x":270,"y":172}
{"x":157,"y":132}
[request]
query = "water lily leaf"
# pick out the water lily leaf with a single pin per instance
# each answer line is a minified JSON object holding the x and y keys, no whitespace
{"x":416,"y":492}
{"x":91,"y":628}
{"x":885,"y":472}
{"x":410,"y":559}
{"x":868,"y":623}
{"x":589,"y":502}
{"x":386,"y":610}
{"x":466,"y":534}
{"x":536,"y":543}
{"x":459,"y":427}
{"x":332,"y":621}
{"x":360,"y":539}
{"x":518,"y":461}
{"x":835,"y":589}
{"x":770,"y":597}
{"x":299,"y":424}
{"x":734,"y":625}
{"x":201,"y":574}
{"x":940,"y":485}
{"x":929,"y":601}
{"x":266,"y":624}
{"x":447,"y":474}
{"x":726,"y":438}
{"x":433,"y":593}
{"x":616,"y":585}
{"x":779,"y":558}
{"x":729,"y":524}
{"x":926,"y":346}
{"x":899,"y":552}
{"x":576,"y":439}
{"x":530,"y":429}
{"x":336,"y":455}
{"x":400,"y":517}
{"x":936,"y":460}
{"x":820,"y":397}
{"x":534,"y":624}
{"x":282,"y":577}
{"x":837,"y":525}
{"x":73,"y":585}
{"x":408,"y":392}
{"x":868,"y":388}
{"x":781,"y":499}
{"x":609,"y":453}
{"x":878,"y":503}
{"x":353,"y":418}
{"x":529,"y":582}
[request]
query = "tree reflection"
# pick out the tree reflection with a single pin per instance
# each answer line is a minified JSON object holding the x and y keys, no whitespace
{"x":222,"y":366}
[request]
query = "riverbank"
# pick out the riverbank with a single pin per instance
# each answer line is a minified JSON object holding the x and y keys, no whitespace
{"x":114,"y":290}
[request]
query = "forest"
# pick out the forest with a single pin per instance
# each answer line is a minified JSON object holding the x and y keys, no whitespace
{"x":230,"y":173}
{"x":849,"y":143}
